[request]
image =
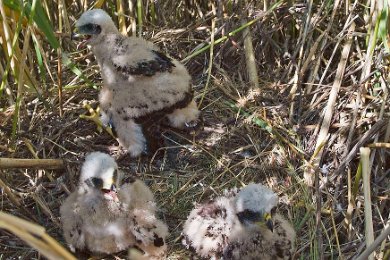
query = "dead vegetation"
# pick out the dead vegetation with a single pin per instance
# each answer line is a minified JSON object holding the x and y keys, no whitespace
{"x":321,"y":95}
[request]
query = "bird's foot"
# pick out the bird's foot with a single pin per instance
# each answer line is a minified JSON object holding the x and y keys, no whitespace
{"x":194,"y":126}
{"x":94,"y":116}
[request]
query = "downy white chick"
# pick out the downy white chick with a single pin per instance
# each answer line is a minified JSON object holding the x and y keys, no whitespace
{"x":141,"y":85}
{"x":240,"y":226}
{"x":105,"y":215}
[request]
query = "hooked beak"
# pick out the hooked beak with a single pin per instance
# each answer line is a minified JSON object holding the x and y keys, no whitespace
{"x":74,"y":35}
{"x":268,"y":221}
{"x":109,"y":186}
{"x":81,"y":38}
{"x":110,"y":192}
{"x":270,"y":225}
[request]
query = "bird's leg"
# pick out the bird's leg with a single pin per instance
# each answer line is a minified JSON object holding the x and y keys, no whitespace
{"x":154,"y":138}
{"x":94,"y":116}
{"x":187,"y":118}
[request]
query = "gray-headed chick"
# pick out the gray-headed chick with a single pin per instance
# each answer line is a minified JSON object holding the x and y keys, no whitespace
{"x":105,"y":215}
{"x":240,"y":226}
{"x":141,"y":85}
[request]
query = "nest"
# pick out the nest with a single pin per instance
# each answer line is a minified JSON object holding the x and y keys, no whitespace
{"x":295,"y":123}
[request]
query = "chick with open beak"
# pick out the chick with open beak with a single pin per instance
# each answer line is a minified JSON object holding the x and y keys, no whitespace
{"x":89,"y":29}
{"x":101,"y":176}
{"x":108,"y":215}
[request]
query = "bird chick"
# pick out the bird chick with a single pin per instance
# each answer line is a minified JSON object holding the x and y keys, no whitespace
{"x":106,"y":215}
{"x":239,"y":225}
{"x":141,"y":85}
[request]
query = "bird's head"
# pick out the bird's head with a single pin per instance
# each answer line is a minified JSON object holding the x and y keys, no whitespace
{"x":100,"y":173}
{"x":92,"y":25}
{"x":255,"y":204}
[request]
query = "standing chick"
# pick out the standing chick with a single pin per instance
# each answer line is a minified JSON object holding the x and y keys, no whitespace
{"x":240,"y":226}
{"x":105,"y":216}
{"x":141,"y":85}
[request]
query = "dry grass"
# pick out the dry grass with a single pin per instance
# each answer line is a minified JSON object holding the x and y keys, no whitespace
{"x":323,"y":94}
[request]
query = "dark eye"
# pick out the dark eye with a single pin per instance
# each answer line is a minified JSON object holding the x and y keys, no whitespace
{"x":97,"y":183}
{"x":248,"y":215}
{"x":92,"y":28}
{"x":273,"y":211}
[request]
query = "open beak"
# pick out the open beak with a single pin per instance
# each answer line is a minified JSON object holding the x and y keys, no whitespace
{"x":81,"y":38}
{"x":74,"y":36}
{"x":110,"y":191}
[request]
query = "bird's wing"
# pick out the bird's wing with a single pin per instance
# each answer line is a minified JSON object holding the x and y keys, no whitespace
{"x":283,"y":237}
{"x":137,"y":57}
{"x":135,"y":194}
{"x":150,"y":233}
{"x":208,"y":227}
{"x":72,"y":222}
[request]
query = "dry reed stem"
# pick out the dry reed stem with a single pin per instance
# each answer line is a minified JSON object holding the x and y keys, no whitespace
{"x":250,"y":58}
{"x":50,"y":164}
{"x":366,"y":168}
{"x":35,"y":236}
{"x":9,"y":193}
{"x":211,"y":57}
{"x":324,"y":130}
{"x":368,"y":251}
{"x":377,"y":127}
{"x":121,"y":18}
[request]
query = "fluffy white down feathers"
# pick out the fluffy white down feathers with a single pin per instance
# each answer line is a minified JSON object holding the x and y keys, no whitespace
{"x":214,"y":230}
{"x":142,"y":86}
{"x":101,"y":221}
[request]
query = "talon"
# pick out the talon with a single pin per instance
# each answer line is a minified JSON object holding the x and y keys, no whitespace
{"x":95,"y":117}
{"x":192,"y":124}
{"x":195,"y":126}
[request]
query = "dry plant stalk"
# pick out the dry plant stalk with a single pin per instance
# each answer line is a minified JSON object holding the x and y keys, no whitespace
{"x":35,"y":236}
{"x":322,"y":136}
{"x":9,"y":193}
{"x":250,"y":58}
{"x":365,"y":158}
{"x":49,"y":164}
{"x":375,"y":244}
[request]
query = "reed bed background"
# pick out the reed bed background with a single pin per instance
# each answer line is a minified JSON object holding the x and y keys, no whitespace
{"x":294,"y":94}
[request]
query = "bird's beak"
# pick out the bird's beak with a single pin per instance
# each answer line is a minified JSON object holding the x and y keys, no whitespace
{"x":82,"y":39}
{"x":268,"y":221}
{"x":109,"y":190}
{"x":108,"y":185}
{"x":74,"y":36}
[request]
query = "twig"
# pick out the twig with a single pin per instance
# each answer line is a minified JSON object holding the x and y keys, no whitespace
{"x":322,"y":136}
{"x":379,"y":145}
{"x":250,"y":57}
{"x":365,"y":158}
{"x":377,"y":127}
{"x":232,"y":33}
{"x":35,"y":236}
{"x":318,"y":214}
{"x":51,"y":164}
{"x":211,"y":59}
{"x":9,"y":193}
{"x":374,"y":245}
